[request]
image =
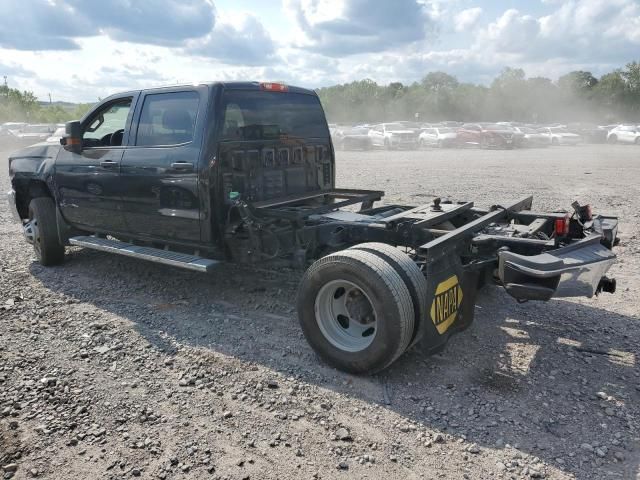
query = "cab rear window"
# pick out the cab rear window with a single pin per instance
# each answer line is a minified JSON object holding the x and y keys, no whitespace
{"x":260,"y":115}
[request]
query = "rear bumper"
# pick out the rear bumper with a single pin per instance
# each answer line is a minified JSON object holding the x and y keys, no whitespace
{"x":11,"y":199}
{"x":573,"y":271}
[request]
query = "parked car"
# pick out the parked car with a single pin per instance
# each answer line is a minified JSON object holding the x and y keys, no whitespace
{"x":392,"y":135}
{"x":57,"y":135}
{"x":590,"y":133}
{"x":625,"y":134}
{"x":9,"y":129}
{"x":437,"y":137}
{"x":38,"y":131}
{"x":531,"y":137}
{"x":487,"y":135}
{"x":560,"y":136}
{"x":352,"y":138}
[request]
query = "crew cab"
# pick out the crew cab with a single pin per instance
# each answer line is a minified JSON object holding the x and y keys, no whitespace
{"x":191,"y":176}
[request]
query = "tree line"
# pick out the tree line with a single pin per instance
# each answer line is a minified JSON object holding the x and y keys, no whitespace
{"x":577,"y":96}
{"x":23,"y":106}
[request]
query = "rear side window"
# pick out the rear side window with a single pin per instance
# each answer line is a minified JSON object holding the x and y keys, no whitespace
{"x":167,"y":119}
{"x":259,"y":115}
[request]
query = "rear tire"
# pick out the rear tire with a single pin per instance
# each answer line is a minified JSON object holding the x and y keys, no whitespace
{"x":355,"y":286}
{"x":42,"y":216}
{"x":410,"y":274}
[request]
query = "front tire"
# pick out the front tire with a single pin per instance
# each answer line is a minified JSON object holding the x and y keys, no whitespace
{"x":355,"y":311}
{"x":43,"y":231}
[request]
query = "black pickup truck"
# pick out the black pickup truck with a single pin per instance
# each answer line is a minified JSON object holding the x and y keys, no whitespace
{"x":191,"y":176}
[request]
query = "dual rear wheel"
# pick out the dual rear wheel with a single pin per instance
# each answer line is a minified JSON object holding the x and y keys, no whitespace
{"x":360,"y":308}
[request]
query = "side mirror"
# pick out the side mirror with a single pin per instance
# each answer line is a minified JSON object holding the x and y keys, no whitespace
{"x":72,"y":140}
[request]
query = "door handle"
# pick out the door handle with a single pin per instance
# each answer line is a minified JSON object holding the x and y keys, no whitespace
{"x":108,"y":164}
{"x":182,"y":166}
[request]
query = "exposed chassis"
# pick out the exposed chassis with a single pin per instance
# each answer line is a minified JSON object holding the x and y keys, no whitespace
{"x":507,"y":243}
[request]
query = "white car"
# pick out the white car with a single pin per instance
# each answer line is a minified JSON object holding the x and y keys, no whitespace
{"x":392,"y":135}
{"x":560,"y":136}
{"x":35,"y":132}
{"x":10,"y":129}
{"x":57,"y":135}
{"x":624,"y":134}
{"x":437,"y":137}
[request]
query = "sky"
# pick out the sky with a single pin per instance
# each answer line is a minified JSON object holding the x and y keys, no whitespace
{"x":82,"y":50}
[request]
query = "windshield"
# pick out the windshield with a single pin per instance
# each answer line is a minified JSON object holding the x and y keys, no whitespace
{"x":258,"y":115}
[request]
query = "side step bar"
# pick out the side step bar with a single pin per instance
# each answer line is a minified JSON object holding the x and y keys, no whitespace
{"x":183,"y":260}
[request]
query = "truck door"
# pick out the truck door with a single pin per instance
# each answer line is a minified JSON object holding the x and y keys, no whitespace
{"x":87,"y":182}
{"x":159,"y":172}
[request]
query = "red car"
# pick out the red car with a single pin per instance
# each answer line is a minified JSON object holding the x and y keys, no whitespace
{"x":486,"y":135}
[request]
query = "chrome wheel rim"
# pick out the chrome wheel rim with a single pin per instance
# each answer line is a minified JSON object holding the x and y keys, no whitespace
{"x":32,"y":234}
{"x":345,"y":315}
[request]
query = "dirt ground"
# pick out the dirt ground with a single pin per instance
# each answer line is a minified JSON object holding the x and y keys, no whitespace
{"x":116,"y":368}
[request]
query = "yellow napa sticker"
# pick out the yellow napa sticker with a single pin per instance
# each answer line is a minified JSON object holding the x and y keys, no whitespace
{"x":446,"y":302}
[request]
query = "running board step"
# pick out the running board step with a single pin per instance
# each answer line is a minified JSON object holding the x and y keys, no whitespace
{"x":183,"y":260}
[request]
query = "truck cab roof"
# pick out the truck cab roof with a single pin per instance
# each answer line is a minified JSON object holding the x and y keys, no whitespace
{"x":254,"y":85}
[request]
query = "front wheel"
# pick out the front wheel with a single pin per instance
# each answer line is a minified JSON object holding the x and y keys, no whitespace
{"x":355,"y":311}
{"x":41,"y":231}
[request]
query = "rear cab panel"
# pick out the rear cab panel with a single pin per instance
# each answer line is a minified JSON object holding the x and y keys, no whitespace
{"x":270,"y":144}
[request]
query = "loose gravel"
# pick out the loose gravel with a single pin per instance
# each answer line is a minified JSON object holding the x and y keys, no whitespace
{"x":116,"y":368}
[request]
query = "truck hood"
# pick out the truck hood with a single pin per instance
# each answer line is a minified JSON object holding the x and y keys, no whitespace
{"x":29,"y":159}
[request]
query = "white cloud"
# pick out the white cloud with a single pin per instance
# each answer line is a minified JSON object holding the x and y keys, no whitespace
{"x":241,"y":41}
{"x":467,"y":19}
{"x":589,"y":29}
{"x":307,"y":42}
{"x":57,"y":25}
{"x":346,"y":27}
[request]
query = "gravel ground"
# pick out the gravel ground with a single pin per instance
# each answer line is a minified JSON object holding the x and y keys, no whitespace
{"x":115,"y":368}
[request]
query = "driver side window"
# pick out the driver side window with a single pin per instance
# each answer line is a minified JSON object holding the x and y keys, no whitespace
{"x":106,"y":127}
